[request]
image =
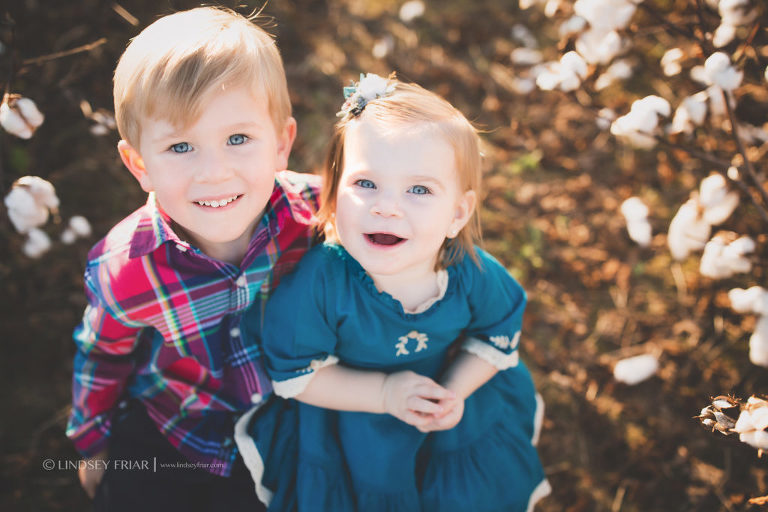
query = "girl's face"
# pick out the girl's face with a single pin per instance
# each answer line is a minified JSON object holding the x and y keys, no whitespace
{"x":398,"y":198}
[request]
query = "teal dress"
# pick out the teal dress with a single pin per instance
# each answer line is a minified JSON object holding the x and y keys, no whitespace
{"x":329,"y":311}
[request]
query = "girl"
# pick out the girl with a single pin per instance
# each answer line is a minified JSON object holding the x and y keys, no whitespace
{"x":383,"y":419}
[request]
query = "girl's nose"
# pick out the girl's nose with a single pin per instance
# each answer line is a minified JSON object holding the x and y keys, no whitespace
{"x":386,"y":206}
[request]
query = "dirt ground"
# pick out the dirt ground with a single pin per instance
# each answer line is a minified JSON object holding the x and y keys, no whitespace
{"x":554,"y":184}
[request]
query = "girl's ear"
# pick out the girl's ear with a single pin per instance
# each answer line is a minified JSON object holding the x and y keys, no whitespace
{"x":464,"y":210}
{"x":135,"y":164}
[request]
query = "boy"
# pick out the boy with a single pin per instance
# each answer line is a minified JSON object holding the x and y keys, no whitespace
{"x":161,"y":371}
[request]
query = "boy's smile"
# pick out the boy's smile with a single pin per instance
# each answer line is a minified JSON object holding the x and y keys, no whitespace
{"x":214,"y":176}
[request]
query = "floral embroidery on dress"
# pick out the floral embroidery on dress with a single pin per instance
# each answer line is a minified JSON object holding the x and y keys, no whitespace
{"x":504,"y":343}
{"x":421,"y":343}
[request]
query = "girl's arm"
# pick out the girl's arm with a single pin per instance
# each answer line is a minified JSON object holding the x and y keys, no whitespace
{"x":464,"y":376}
{"x":467,"y":373}
{"x":405,"y":395}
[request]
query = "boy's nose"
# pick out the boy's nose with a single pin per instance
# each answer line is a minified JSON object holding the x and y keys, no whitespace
{"x":213,"y":169}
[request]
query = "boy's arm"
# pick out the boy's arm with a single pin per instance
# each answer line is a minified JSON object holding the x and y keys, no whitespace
{"x":405,"y":395}
{"x":102,"y":367}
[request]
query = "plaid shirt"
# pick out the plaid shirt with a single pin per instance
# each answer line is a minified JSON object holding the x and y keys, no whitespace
{"x":162,"y":325}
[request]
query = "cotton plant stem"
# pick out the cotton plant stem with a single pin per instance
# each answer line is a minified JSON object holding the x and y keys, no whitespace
{"x":721,"y":167}
{"x":743,"y":150}
{"x":65,"y":53}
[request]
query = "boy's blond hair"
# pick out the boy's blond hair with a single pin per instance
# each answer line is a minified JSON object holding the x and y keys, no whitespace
{"x":410,"y":104}
{"x":169,"y":69}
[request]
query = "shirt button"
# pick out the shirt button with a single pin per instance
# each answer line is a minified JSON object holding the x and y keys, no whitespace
{"x":234,"y":332}
{"x":242,"y":281}
{"x":256,"y":398}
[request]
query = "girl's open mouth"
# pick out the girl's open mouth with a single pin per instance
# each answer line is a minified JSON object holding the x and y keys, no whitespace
{"x":384,"y":238}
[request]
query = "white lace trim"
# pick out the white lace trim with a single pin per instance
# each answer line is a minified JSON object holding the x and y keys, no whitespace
{"x":496,"y":357}
{"x":251,"y":455}
{"x":538,"y":419}
{"x":296,"y":386}
{"x":541,"y":490}
{"x":442,"y":287}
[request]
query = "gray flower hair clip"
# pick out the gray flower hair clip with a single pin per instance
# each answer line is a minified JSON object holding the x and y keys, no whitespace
{"x":357,"y":95}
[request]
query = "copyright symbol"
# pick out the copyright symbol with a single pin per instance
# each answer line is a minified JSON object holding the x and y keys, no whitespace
{"x":48,"y":464}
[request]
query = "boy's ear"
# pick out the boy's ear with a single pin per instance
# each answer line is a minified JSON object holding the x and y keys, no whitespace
{"x":133,"y":161}
{"x":464,"y":210}
{"x":285,"y":143}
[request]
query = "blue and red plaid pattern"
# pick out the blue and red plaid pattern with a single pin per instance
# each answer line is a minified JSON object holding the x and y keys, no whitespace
{"x":162,"y":326}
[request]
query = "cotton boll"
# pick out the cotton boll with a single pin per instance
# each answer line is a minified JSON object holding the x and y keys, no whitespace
{"x":80,"y":226}
{"x":690,"y":113}
{"x":598,"y":47}
{"x":572,"y":25}
{"x":411,"y":10}
{"x":37,"y":243}
{"x":634,"y":209}
{"x":722,"y":259}
{"x":523,"y":35}
{"x":751,"y":300}
{"x":19,"y":116}
{"x":670,"y":62}
{"x":719,"y":71}
{"x":736,"y":12}
{"x":756,"y":438}
{"x":619,"y":70}
{"x":640,"y":231}
{"x":42,"y":190}
{"x":638,"y":125}
{"x":24,"y":211}
{"x":636,"y":215}
{"x":716,"y":200}
{"x":687,"y":231}
{"x":724,"y":34}
{"x":68,"y":236}
{"x":526,"y":56}
{"x":605,"y":117}
{"x":523,"y":86}
{"x":634,"y":370}
{"x":758,"y":343}
{"x":605,"y":14}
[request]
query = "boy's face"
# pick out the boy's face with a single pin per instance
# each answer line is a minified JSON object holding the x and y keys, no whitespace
{"x":215,"y":176}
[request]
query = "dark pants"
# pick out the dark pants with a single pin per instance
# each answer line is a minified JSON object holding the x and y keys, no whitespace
{"x":138,"y":480}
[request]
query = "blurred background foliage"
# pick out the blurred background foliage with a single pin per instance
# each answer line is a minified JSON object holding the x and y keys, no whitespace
{"x":553,"y":186}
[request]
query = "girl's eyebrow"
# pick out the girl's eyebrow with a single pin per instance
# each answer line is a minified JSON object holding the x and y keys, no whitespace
{"x":428,"y":179}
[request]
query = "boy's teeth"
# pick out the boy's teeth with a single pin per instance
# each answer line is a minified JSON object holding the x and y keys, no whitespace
{"x":216,"y":204}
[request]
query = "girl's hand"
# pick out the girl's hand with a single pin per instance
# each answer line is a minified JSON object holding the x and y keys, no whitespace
{"x":453,"y":410}
{"x":413,"y":398}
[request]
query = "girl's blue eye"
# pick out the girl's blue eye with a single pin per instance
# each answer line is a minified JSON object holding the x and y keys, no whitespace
{"x":237,"y":139}
{"x":365,"y":183}
{"x":181,"y":147}
{"x":419,"y":190}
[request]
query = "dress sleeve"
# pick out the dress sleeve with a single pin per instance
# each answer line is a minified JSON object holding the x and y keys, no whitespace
{"x":102,"y":366}
{"x":299,"y":324}
{"x":497,"y":302}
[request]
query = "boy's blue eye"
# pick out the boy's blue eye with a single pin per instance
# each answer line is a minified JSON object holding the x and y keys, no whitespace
{"x":365,"y":183}
{"x":181,"y":147}
{"x":237,"y":139}
{"x":419,"y":190}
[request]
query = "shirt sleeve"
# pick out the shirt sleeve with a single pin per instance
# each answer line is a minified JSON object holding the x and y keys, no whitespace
{"x":103,"y":363}
{"x":497,"y":302}
{"x":299,"y":328}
